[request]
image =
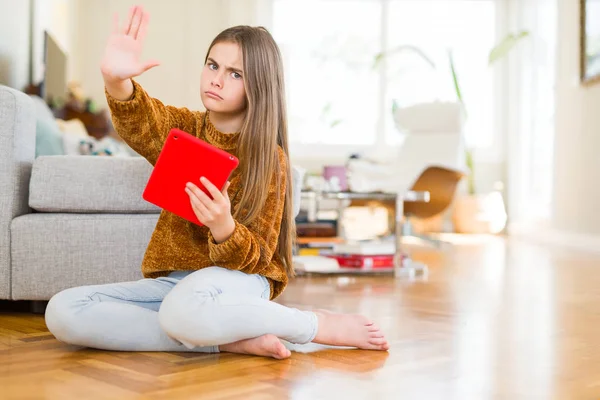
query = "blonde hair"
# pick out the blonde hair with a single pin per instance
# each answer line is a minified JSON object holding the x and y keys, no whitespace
{"x":264,"y":129}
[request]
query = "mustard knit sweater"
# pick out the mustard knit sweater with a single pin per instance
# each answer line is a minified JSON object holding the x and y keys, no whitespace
{"x":177,"y":244}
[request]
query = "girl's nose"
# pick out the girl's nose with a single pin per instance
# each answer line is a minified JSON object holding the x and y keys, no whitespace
{"x":217,"y":80}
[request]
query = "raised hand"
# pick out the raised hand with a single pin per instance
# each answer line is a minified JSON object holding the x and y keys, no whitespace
{"x":122,"y":55}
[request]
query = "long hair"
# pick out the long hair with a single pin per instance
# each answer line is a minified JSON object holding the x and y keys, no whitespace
{"x":264,"y":129}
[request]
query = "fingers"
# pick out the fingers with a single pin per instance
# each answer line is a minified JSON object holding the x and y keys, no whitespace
{"x":225,"y":188}
{"x":197,"y":204}
{"x":212,"y":189}
{"x":136,"y":22}
{"x":115,"y":28}
{"x":141,"y":35}
{"x":214,"y":209}
{"x":127,"y":25}
{"x":208,"y":203}
{"x":199,"y":209}
{"x":150,"y":64}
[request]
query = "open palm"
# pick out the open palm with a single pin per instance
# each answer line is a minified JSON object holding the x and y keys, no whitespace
{"x":122,"y":56}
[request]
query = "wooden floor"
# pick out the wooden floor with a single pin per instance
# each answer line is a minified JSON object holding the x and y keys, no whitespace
{"x":494,"y":320}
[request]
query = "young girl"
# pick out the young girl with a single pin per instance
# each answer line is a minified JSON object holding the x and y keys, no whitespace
{"x":208,"y":288}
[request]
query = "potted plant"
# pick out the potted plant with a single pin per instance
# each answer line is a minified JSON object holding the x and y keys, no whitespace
{"x":481,"y":212}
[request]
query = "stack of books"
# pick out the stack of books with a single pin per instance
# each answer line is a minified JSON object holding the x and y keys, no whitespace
{"x":317,"y":246}
{"x":365,"y":255}
{"x":339,"y":256}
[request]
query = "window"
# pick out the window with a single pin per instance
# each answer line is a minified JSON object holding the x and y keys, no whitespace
{"x":328,"y":47}
{"x":532,"y":122}
{"x":335,"y":94}
{"x":464,"y":27}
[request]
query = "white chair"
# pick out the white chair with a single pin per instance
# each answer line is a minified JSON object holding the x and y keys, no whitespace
{"x":432,"y":134}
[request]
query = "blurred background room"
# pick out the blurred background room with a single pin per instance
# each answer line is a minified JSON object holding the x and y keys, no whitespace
{"x":454,"y":137}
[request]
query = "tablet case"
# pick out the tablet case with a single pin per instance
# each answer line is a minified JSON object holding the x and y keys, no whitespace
{"x":185,"y":158}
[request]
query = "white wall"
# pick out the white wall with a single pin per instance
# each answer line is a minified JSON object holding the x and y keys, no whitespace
{"x":577,"y":150}
{"x":179,"y":35}
{"x":14,"y":43}
{"x":57,"y":17}
{"x":54,"y":16}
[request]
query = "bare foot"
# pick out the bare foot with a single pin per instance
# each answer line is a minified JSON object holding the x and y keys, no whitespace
{"x":349,"y":330}
{"x":265,"y":345}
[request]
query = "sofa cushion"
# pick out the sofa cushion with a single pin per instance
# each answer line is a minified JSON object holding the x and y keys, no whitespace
{"x":88,"y":184}
{"x":53,"y":252}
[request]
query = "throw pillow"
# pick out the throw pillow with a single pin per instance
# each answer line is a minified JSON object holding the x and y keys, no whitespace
{"x":48,"y":137}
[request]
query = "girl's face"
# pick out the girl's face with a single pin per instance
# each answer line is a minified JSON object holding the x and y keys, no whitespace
{"x":222,"y":83}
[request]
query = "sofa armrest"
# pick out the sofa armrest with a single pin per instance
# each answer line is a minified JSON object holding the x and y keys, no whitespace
{"x":17,"y":152}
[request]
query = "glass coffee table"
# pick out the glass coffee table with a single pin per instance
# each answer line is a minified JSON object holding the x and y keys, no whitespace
{"x":404,"y":266}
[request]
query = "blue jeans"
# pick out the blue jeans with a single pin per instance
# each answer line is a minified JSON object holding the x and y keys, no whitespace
{"x":185,"y":311}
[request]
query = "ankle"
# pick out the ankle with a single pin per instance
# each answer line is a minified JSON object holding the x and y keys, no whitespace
{"x":227,"y":348}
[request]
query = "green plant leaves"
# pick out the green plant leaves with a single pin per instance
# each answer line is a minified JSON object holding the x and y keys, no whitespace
{"x":505,"y":46}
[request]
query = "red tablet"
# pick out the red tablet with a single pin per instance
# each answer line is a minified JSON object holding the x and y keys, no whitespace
{"x":185,"y":158}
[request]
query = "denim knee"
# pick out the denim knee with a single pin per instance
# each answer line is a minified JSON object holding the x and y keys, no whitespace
{"x":188,"y":317}
{"x":61,"y":318}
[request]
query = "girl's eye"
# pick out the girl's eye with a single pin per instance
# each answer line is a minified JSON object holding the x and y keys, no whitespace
{"x":212,"y":66}
{"x":236,"y":75}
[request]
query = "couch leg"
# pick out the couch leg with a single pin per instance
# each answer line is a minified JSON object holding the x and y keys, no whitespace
{"x":38,"y":306}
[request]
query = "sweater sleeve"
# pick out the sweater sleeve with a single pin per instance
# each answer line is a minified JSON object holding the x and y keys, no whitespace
{"x":250,"y":249}
{"x":144,"y":122}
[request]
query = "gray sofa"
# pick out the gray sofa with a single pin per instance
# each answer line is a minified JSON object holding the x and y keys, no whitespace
{"x":68,"y":220}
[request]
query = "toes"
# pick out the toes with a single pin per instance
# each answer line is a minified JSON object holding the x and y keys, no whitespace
{"x":373,"y":328}
{"x":281,"y":351}
{"x":378,"y":347}
{"x":284,"y":353}
{"x":382,"y":345}
{"x":376,"y":334}
{"x":378,"y":341}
